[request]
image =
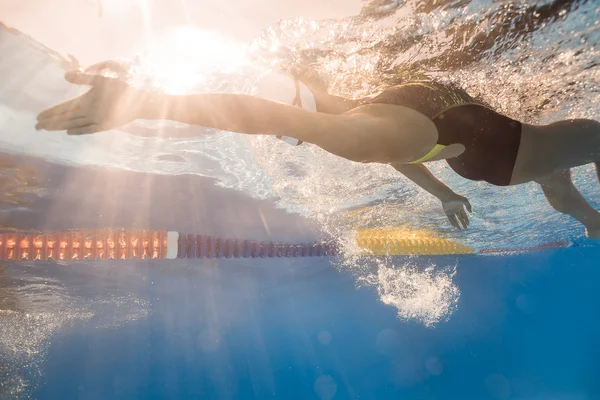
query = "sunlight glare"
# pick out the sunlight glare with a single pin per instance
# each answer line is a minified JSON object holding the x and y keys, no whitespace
{"x":117,"y":6}
{"x":187,"y":55}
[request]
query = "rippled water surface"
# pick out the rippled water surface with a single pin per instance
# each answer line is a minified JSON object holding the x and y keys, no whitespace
{"x":537,"y":63}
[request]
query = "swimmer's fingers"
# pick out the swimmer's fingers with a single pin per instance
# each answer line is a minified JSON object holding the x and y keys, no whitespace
{"x":456,"y":211}
{"x":59,"y":109}
{"x":453,"y":221}
{"x":468,"y":205}
{"x":463,"y":218}
{"x":459,"y":220}
{"x":65,"y":122}
{"x":85,"y":130}
{"x":102,"y":65}
{"x":111,"y":65}
{"x":82,"y":78}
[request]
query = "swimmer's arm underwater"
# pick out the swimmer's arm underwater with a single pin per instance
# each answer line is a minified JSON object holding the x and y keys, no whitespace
{"x":111,"y":104}
{"x":452,"y":203}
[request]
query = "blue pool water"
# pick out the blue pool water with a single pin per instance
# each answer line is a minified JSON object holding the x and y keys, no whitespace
{"x":521,"y":327}
{"x":526,"y":327}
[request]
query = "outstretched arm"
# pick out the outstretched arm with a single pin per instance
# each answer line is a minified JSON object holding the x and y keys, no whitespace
{"x":112,"y":103}
{"x":452,"y":203}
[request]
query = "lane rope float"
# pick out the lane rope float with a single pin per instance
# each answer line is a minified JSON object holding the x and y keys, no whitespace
{"x":403,"y":241}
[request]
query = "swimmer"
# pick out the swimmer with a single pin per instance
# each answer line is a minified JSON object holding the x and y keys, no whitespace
{"x":404,"y":126}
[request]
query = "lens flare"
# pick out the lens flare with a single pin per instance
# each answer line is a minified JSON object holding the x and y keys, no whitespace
{"x":185,"y":57}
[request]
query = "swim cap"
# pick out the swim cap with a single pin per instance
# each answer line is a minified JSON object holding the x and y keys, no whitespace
{"x":283,"y":88}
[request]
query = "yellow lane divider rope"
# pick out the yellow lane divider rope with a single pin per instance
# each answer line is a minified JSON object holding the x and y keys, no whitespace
{"x":399,"y":241}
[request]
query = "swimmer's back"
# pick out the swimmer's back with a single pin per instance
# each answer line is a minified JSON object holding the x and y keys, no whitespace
{"x":428,"y":97}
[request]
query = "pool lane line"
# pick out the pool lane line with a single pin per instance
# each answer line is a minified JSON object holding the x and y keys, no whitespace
{"x":130,"y":243}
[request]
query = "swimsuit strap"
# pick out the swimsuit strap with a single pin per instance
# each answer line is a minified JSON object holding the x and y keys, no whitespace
{"x":296,"y":102}
{"x":298,"y":99}
{"x":432,"y":153}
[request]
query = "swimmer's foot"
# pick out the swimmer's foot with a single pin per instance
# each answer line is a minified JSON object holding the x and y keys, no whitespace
{"x":592,"y":225}
{"x":598,"y":170}
{"x":592,"y":228}
{"x":592,"y":233}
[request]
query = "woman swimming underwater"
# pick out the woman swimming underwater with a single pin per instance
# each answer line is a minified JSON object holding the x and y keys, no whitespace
{"x":404,"y":126}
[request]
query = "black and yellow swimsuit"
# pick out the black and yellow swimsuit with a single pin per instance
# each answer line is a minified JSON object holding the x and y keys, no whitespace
{"x":491,"y":140}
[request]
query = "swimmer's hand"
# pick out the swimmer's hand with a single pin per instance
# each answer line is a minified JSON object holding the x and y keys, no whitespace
{"x":109,"y":104}
{"x":454,"y":207}
{"x":453,"y":204}
{"x":115,"y":68}
{"x":311,"y":78}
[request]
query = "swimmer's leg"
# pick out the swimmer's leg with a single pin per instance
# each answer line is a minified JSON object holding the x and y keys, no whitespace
{"x":556,"y":147}
{"x":565,"y":198}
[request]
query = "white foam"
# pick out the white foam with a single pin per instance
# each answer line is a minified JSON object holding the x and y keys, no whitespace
{"x":426,"y":295}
